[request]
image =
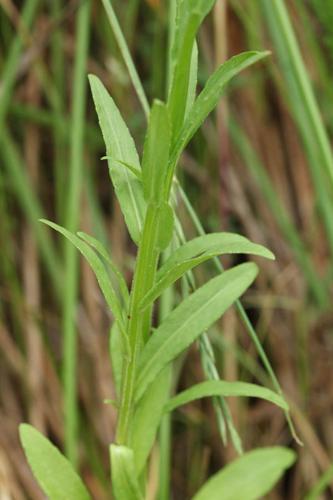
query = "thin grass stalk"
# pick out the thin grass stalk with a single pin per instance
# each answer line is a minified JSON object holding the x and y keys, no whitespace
{"x":305,"y":109}
{"x":58,"y":65}
{"x":9,"y":71}
{"x":126,"y":56}
{"x":16,"y":173}
{"x":72,"y":221}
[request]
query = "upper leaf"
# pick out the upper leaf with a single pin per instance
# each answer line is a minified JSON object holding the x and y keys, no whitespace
{"x":189,"y":18}
{"x":209,"y":97}
{"x":120,"y":145}
{"x":222,"y":388}
{"x":193,"y":316}
{"x":52,"y":470}
{"x":197,"y":251}
{"x":250,"y":476}
{"x":125,"y":484}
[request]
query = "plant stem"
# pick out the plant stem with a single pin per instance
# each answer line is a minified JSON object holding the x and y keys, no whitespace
{"x":138,"y":322}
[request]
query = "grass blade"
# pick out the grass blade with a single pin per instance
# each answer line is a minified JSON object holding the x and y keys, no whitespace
{"x":305,"y":109}
{"x":71,"y":223}
{"x":126,"y":56}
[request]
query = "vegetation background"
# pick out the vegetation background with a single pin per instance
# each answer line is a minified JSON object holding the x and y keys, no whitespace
{"x":260,"y":167}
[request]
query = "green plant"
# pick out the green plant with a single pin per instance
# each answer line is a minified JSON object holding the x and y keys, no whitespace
{"x":141,"y":355}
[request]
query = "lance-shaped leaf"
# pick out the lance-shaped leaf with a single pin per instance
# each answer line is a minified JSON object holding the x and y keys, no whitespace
{"x":97,"y":267}
{"x":212,"y":388}
{"x":99,"y":247}
{"x":52,"y":470}
{"x":156,"y":153}
{"x":209,"y":97}
{"x":148,"y":416}
{"x":120,"y":145}
{"x":125,"y":484}
{"x":192,"y":317}
{"x":197,"y":251}
{"x":250,"y":476}
{"x":190,"y":16}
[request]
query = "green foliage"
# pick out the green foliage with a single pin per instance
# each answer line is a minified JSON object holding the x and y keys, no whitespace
{"x":209,"y":97}
{"x":141,"y":356}
{"x":189,"y":18}
{"x":97,"y":266}
{"x":192,"y":317}
{"x":120,"y":145}
{"x":148,"y":416}
{"x":124,"y":479}
{"x":222,"y":388}
{"x":52,"y":470}
{"x":249,"y":477}
{"x":197,"y":251}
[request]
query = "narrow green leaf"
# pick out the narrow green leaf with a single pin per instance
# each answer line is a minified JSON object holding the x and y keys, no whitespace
{"x":52,"y":470}
{"x":120,"y":145}
{"x":125,"y":484}
{"x":197,"y":251}
{"x":148,"y":416}
{"x":156,"y":153}
{"x":192,"y":317}
{"x":190,"y":16}
{"x":222,"y":388}
{"x":249,"y":477}
{"x":97,"y":267}
{"x":99,"y":247}
{"x":210,"y":95}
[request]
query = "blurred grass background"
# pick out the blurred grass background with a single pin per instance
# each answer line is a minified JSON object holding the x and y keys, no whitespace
{"x":261,"y":166}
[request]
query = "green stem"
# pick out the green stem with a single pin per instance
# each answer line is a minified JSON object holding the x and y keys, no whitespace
{"x":138,"y":322}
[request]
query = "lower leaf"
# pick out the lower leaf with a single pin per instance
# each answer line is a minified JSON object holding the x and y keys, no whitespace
{"x":249,"y":477}
{"x":125,"y":485}
{"x":53,"y":471}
